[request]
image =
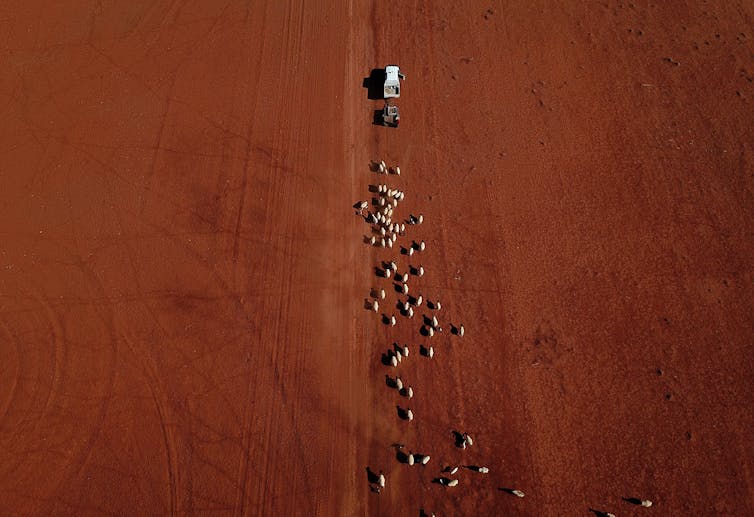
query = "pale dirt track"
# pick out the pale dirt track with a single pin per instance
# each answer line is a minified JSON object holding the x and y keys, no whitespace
{"x":181,"y":319}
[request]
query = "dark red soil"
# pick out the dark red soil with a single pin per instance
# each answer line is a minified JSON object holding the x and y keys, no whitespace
{"x":182,"y":278}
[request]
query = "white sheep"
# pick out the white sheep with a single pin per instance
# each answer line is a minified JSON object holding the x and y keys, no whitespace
{"x":453,"y":470}
{"x":373,"y":240}
{"x":452,"y":482}
{"x":409,"y":415}
{"x":517,"y":493}
{"x":403,"y":228}
{"x":431,"y":352}
{"x":392,"y":321}
{"x":382,"y":231}
{"x":437,"y":305}
{"x":420,"y":219}
{"x":390,"y":243}
{"x":410,"y":312}
{"x":422,"y":246}
{"x":394,"y":237}
{"x":430,"y":331}
{"x":375,"y":306}
{"x":467,"y":439}
{"x":410,"y":251}
{"x":405,"y":288}
{"x":388,"y":273}
{"x":395,"y":203}
{"x":382,"y":243}
{"x":421,"y":271}
{"x":397,"y":170}
{"x":363,"y":205}
{"x":461,"y":330}
{"x":646,"y":503}
{"x":419,"y":301}
{"x":405,"y":350}
{"x":408,"y":392}
{"x":398,"y":383}
{"x":435,"y":323}
{"x":393,"y":360}
{"x":410,"y":459}
{"x":381,"y":480}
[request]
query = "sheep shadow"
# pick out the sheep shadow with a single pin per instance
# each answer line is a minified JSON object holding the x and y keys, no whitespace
{"x":632,"y":500}
{"x":441,"y":480}
{"x":511,"y":491}
{"x":387,"y":358}
{"x":372,"y":476}
{"x":401,"y":456}
{"x":473,"y":468}
{"x":373,"y":189}
{"x":423,"y":350}
{"x":459,"y":439}
{"x":368,"y":304}
{"x":598,"y":513}
{"x":402,"y":413}
{"x":390,"y":382}
{"x":375,"y":84}
{"x":454,"y":330}
{"x":424,"y":331}
{"x":431,"y":305}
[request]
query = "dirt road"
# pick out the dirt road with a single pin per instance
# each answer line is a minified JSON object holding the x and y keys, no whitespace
{"x":182,"y":328}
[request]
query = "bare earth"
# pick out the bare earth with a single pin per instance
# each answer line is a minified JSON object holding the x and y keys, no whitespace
{"x":182,"y":276}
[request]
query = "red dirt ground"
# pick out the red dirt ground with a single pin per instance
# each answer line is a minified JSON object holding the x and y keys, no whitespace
{"x":182,"y":327}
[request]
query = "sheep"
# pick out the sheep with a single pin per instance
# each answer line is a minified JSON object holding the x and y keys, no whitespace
{"x":451,"y":470}
{"x":405,"y":288}
{"x":410,"y":312}
{"x":390,"y":243}
{"x":646,"y":503}
{"x":393,"y":361}
{"x":461,"y":330}
{"x":375,"y":306}
{"x":373,"y":240}
{"x":517,"y":493}
{"x":419,"y":301}
{"x":484,"y":470}
{"x":438,"y":306}
{"x":435,"y":323}
{"x":395,"y":203}
{"x":382,"y":294}
{"x":403,"y":228}
{"x":372,"y":218}
{"x":405,"y":350}
{"x":398,"y":384}
{"x":422,"y":246}
{"x":410,"y":251}
{"x":448,"y":482}
{"x":420,"y":219}
{"x":382,"y":231}
{"x":431,"y":352}
{"x":409,"y":415}
{"x":421,"y":271}
{"x":392,"y":321}
{"x":410,"y":459}
{"x":397,"y":170}
{"x":388,"y":273}
{"x":393,"y":266}
{"x":407,"y":392}
{"x":381,"y":480}
{"x":422,"y":458}
{"x":382,"y":243}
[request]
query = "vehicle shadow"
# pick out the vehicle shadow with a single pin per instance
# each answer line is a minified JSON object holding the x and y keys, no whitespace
{"x":374,"y":84}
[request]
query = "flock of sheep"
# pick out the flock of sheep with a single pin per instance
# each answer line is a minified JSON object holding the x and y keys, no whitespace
{"x":385,"y":231}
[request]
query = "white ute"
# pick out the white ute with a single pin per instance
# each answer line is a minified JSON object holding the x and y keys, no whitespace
{"x":393,"y":75}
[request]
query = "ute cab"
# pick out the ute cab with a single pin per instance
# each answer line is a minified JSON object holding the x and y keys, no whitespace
{"x":392,"y":88}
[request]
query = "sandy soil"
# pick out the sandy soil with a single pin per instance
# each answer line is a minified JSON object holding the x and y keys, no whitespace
{"x":182,"y":326}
